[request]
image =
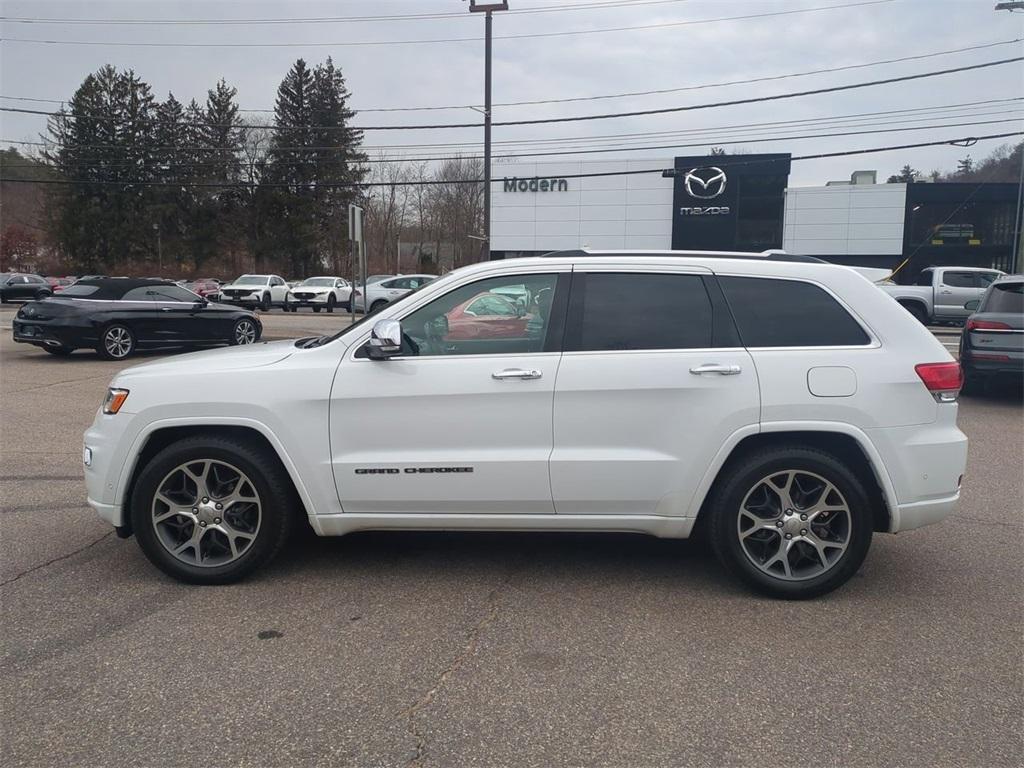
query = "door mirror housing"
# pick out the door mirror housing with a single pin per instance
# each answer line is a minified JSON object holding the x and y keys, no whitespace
{"x":972,"y":305}
{"x":385,"y":340}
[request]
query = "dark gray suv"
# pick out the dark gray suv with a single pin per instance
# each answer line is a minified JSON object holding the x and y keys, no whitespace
{"x":992,"y":343}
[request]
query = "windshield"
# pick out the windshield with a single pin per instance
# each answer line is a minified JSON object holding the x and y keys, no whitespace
{"x":252,"y":280}
{"x":321,"y":281}
{"x":1005,"y":297}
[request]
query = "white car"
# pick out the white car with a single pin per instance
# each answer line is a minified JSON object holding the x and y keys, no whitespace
{"x":383,"y":292}
{"x":319,"y":293}
{"x":262,"y":291}
{"x":787,"y":406}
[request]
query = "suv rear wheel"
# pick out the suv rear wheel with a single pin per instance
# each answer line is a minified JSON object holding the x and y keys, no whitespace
{"x":792,"y":522}
{"x":211,"y":510}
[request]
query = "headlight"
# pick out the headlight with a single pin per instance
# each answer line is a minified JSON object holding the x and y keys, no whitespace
{"x":114,"y":400}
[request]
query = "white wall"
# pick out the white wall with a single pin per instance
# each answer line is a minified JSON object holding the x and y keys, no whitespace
{"x":604,"y":212}
{"x":844,"y":220}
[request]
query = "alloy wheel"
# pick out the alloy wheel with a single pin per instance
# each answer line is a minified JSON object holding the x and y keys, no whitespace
{"x":794,"y":525}
{"x":245,"y":332}
{"x":206,"y":513}
{"x":118,"y":342}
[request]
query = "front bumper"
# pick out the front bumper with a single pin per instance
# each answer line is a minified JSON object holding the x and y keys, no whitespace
{"x":106,"y":444}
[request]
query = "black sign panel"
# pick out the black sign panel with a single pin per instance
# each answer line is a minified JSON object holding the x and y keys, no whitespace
{"x":729,"y":202}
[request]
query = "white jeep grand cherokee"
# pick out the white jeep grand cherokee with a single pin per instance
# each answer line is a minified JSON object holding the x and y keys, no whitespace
{"x":784,"y":407}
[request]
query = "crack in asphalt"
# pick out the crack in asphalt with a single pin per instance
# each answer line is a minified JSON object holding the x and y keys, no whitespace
{"x":10,"y":510}
{"x":10,"y":478}
{"x":11,"y":580}
{"x":57,"y":384}
{"x":468,"y":649}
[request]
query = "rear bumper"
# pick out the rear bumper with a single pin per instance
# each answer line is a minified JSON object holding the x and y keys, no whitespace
{"x":41,"y":334}
{"x":925,"y":464}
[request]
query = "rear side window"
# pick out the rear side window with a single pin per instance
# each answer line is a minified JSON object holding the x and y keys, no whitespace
{"x":789,"y":313}
{"x":959,"y":280}
{"x":614,"y":311}
{"x":1005,"y":297}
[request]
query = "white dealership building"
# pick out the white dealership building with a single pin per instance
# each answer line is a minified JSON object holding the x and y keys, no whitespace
{"x":743,"y":202}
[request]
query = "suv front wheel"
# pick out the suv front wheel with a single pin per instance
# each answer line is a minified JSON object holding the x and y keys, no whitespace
{"x":791,"y":522}
{"x":212,"y":509}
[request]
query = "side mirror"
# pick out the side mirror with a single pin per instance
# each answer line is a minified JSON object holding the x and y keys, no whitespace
{"x":385,"y":340}
{"x":972,"y":305}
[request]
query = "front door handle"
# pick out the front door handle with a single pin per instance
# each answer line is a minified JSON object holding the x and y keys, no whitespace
{"x":724,"y":370}
{"x":516,"y":373}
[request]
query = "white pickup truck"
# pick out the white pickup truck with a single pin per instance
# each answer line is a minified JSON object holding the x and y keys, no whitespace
{"x":940,"y":293}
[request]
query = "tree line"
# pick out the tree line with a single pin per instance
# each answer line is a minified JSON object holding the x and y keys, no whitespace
{"x":153,"y":187}
{"x":1001,"y":165}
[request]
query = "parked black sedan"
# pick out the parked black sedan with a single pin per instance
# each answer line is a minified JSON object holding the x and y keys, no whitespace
{"x":116,"y":316}
{"x":15,"y":286}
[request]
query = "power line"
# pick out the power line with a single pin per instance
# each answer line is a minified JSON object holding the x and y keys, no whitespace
{"x":575,"y":118}
{"x":523,"y":36}
{"x":940,"y":111}
{"x":713,"y":140}
{"x":630,"y":94}
{"x":725,"y":161}
{"x":529,"y":10}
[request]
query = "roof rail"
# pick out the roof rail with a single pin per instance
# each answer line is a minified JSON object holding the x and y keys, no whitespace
{"x":769,"y":255}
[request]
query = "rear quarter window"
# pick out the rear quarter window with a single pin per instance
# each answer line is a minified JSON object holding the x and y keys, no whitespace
{"x":772,"y":312}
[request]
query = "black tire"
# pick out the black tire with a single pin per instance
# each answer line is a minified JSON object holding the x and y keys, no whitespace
{"x":917,"y":311}
{"x":316,"y":309}
{"x":377,"y":306}
{"x":3,"y":299}
{"x":60,"y":351}
{"x":43,"y":295}
{"x":265,"y":302}
{"x":973,"y":384}
{"x":240,"y":332}
{"x":331,"y":302}
{"x":104,"y":348}
{"x":744,"y":476}
{"x":279,"y":506}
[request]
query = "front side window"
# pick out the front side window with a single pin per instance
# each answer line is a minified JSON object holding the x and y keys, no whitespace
{"x":445,"y":327}
{"x":613,"y":311}
{"x":171,"y":293}
{"x":788,"y":313}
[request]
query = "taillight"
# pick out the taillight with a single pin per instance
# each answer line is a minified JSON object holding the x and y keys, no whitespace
{"x":986,"y":325}
{"x":943,"y":380}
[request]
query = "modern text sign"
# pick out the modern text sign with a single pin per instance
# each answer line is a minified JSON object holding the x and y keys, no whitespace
{"x":535,"y":184}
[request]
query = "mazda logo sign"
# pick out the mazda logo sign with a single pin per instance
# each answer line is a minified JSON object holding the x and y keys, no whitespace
{"x":705,"y":183}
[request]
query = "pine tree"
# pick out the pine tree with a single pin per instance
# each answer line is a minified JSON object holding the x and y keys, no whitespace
{"x":104,"y":139}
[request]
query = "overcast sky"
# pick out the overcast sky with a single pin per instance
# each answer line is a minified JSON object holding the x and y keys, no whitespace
{"x":672,"y":56}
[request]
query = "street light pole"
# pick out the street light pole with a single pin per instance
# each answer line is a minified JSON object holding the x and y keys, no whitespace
{"x":159,"y":251}
{"x":477,"y":6}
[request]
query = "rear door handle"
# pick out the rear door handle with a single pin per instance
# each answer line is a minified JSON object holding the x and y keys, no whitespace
{"x":516,"y":373}
{"x":724,"y":370}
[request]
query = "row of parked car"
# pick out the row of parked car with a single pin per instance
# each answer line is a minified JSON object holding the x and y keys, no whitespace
{"x":262,"y":292}
{"x":319,"y":293}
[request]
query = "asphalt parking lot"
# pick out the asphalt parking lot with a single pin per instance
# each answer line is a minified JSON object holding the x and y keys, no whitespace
{"x":472,"y":649}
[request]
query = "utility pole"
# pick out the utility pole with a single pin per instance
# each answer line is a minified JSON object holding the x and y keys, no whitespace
{"x":478,"y":6}
{"x":1018,"y":216}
